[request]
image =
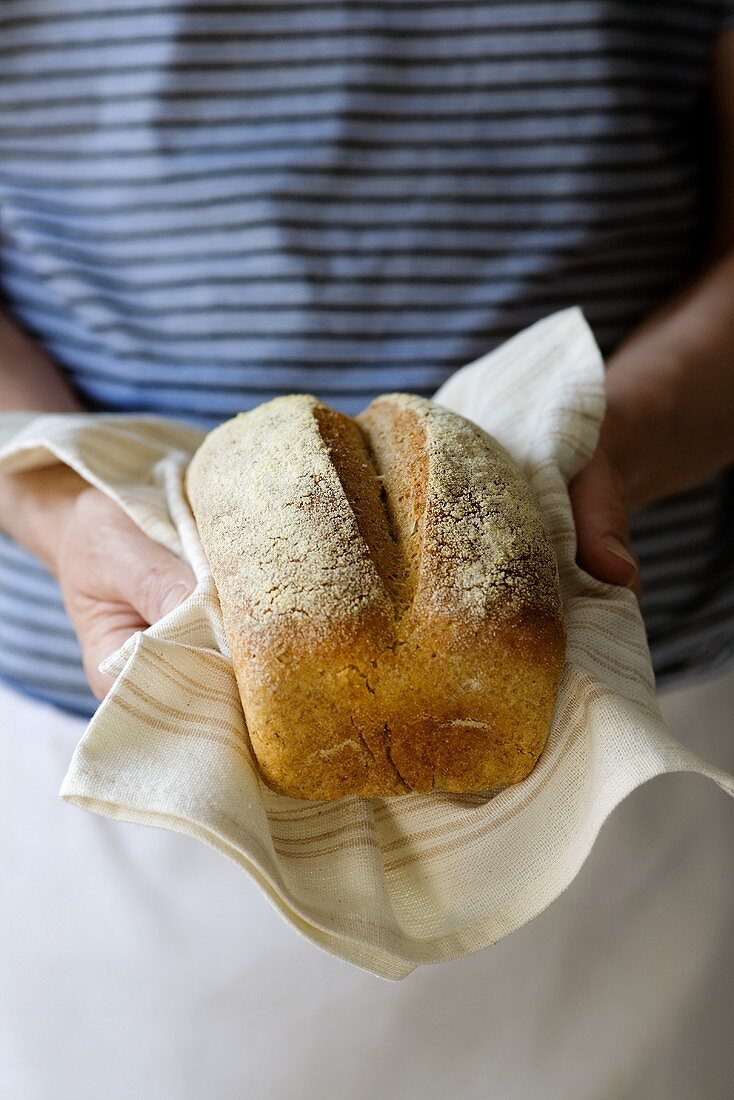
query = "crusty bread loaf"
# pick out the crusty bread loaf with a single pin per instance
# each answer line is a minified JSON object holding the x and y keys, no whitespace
{"x":389,"y":593}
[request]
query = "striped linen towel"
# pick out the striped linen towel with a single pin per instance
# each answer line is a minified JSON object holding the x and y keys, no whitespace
{"x":385,"y":884}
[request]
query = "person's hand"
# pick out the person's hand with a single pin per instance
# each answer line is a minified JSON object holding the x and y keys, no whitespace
{"x":598,"y":500}
{"x":114,"y":579}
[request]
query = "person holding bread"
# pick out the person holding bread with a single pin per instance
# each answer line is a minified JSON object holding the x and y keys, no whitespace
{"x":208,"y":208}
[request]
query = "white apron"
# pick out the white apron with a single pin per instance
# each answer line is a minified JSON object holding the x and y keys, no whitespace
{"x":138,"y":964}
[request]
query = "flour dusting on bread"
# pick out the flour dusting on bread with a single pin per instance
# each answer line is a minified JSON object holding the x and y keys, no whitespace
{"x":389,"y":593}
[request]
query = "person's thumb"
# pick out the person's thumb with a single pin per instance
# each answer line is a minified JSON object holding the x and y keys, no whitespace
{"x":602,"y":527}
{"x":156,"y":581}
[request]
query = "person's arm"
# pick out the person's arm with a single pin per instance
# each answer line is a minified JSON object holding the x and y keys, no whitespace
{"x":34,"y":505}
{"x":670,"y":387}
{"x":30,"y":379}
{"x":114,"y":579}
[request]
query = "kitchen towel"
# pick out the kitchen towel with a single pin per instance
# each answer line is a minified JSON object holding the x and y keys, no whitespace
{"x":387,"y":884}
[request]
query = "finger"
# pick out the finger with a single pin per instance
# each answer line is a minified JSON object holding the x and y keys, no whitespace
{"x":115,"y":581}
{"x":604,"y":542}
{"x":102,"y":629}
{"x":155,"y":580}
{"x":106,"y":557}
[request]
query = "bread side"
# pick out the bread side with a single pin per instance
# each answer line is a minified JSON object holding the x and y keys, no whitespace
{"x":389,"y":594}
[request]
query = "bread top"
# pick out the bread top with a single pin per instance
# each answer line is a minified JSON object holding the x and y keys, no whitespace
{"x":319,"y":527}
{"x":472,"y":537}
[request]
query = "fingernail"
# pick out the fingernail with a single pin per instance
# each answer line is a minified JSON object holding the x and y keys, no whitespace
{"x":175,"y":595}
{"x":615,"y":546}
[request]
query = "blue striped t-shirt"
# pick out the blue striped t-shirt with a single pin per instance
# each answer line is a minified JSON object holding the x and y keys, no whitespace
{"x":204,"y":205}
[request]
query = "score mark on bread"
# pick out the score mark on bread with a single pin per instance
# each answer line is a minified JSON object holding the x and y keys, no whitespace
{"x":389,"y":594}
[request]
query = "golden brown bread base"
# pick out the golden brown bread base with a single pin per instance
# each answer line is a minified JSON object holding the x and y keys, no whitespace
{"x":389,"y":594}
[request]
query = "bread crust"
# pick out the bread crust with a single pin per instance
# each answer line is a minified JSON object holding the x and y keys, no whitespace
{"x":389,"y":593}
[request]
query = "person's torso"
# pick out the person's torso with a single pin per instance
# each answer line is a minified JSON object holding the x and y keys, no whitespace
{"x":203,"y":206}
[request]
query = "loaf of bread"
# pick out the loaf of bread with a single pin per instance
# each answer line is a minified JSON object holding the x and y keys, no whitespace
{"x":389,"y":594}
